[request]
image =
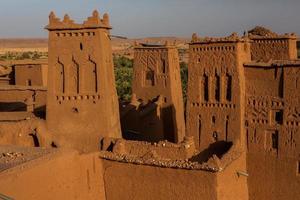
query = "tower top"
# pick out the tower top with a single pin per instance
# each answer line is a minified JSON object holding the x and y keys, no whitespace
{"x":94,"y":21}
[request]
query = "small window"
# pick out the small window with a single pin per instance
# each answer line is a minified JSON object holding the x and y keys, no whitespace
{"x":298,"y":168}
{"x":275,"y":140}
{"x":277,"y":117}
{"x":29,"y":82}
{"x":215,"y":136}
{"x":213,"y":119}
{"x":81,"y":46}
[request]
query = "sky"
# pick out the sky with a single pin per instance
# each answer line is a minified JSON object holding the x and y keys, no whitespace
{"x":154,"y":18}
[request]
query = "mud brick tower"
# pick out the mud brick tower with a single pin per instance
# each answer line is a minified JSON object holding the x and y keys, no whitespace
{"x":157,"y":74}
{"x":82,"y":104}
{"x":215,"y":107}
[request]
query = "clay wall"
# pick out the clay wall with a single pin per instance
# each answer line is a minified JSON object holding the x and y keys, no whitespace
{"x":31,"y":75}
{"x":273,"y":48}
{"x":82,"y":104}
{"x":150,"y":182}
{"x":68,"y":176}
{"x":272,"y":130}
{"x":147,"y":182}
{"x":215,"y":90}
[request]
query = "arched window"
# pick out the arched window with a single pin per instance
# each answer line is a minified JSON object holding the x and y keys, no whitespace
{"x":149,"y":79}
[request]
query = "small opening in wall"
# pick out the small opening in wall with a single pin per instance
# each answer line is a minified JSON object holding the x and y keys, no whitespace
{"x":75,"y":110}
{"x":215,"y":136}
{"x":29,"y":83}
{"x":275,"y":140}
{"x":165,"y":99}
{"x":81,"y":46}
{"x":298,"y":168}
{"x":213,"y":119}
{"x":279,"y":117}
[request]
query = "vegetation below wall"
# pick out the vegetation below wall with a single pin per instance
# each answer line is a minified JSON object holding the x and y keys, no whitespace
{"x":23,"y":55}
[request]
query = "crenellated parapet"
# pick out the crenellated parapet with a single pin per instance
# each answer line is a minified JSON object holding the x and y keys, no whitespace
{"x":94,"y":21}
{"x":231,"y":38}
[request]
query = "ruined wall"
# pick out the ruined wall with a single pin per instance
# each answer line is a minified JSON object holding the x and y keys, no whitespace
{"x":16,"y":99}
{"x":157,"y":74}
{"x":82,"y":104}
{"x":215,"y":104}
{"x":272,"y":129}
{"x":60,"y":175}
{"x":273,"y":48}
{"x":147,"y":182}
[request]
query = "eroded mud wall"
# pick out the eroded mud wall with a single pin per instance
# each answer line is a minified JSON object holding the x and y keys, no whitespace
{"x":65,"y":175}
{"x":128,"y":181}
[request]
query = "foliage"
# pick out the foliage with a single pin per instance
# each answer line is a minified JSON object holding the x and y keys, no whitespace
{"x":184,"y":79}
{"x":23,"y":55}
{"x":122,"y":61}
{"x":124,"y":75}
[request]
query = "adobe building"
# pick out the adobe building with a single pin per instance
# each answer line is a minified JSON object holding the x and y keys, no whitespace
{"x":265,"y":108}
{"x":215,"y":106}
{"x":267,"y":45}
{"x":157,"y":103}
{"x":82,"y":103}
{"x":23,"y":93}
{"x":30,"y":72}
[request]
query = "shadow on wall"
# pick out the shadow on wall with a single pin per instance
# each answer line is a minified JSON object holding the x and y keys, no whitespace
{"x":149,"y":122}
{"x":219,"y":149}
{"x":13,"y":107}
{"x":298,"y":48}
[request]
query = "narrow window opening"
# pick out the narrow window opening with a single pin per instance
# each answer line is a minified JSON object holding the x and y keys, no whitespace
{"x":81,"y":46}
{"x":29,"y":83}
{"x":205,"y":85}
{"x":229,"y":87}
{"x":217,"y":88}
{"x":275,"y":140}
{"x":213,"y":119}
{"x":298,"y":168}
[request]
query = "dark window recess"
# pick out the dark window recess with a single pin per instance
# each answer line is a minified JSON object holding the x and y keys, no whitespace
{"x":279,"y":117}
{"x":150,"y":78}
{"x":298,"y":168}
{"x":29,"y":83}
{"x":213,"y":119}
{"x":81,"y":46}
{"x":228,"y":87}
{"x":205,"y":85}
{"x":275,"y":140}
{"x":217,"y":91}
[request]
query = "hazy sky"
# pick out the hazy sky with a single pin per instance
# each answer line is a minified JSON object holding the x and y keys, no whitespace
{"x":140,"y":18}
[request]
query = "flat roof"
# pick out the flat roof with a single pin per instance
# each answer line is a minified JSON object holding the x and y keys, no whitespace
{"x":274,"y":63}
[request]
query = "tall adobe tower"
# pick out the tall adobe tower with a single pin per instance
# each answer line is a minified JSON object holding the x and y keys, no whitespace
{"x":215,"y":108}
{"x":157,"y":74}
{"x":82,"y":104}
